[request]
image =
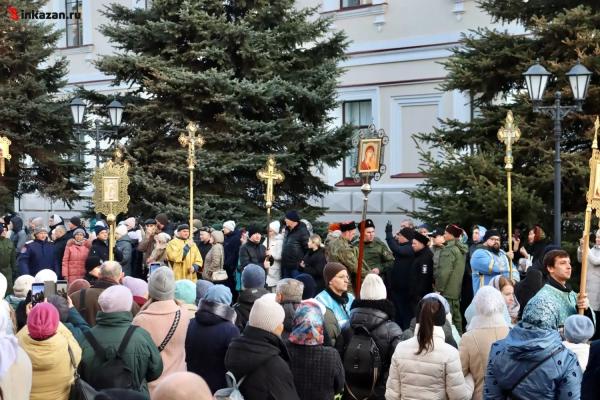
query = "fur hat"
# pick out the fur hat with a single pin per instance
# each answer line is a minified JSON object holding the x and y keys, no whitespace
{"x":408,"y":233}
{"x":347,"y":226}
{"x":266,"y":314}
{"x":373,"y":288}
{"x":454,"y":230}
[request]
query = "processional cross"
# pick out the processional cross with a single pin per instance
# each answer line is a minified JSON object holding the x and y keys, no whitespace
{"x":270,"y":175}
{"x":191,"y":141}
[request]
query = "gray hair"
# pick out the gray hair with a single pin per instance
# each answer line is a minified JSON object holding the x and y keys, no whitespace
{"x":60,"y":228}
{"x":110,"y":269}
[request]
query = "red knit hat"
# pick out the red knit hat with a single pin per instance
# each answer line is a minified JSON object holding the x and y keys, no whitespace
{"x":42,"y":321}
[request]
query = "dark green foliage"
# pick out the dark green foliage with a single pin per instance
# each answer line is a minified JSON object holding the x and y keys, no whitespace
{"x":259,"y":77}
{"x":37,"y":123}
{"x":467,"y":183}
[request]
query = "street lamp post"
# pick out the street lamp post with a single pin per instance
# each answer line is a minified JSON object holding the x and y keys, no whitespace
{"x":115,"y":112}
{"x":536,"y":78}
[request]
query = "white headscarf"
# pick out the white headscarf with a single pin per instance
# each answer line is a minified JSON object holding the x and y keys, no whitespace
{"x":513,"y":309}
{"x":489,"y":309}
{"x":8,"y":342}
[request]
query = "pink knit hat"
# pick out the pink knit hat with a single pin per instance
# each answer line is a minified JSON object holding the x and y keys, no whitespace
{"x":43,"y":321}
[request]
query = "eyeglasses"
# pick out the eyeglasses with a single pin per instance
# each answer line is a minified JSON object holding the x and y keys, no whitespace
{"x":343,"y":277}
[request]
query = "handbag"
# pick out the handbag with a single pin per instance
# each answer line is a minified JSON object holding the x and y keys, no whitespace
{"x":219,"y":276}
{"x":80,"y":389}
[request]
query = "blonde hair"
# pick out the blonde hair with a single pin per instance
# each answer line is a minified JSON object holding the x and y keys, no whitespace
{"x":316,"y":239}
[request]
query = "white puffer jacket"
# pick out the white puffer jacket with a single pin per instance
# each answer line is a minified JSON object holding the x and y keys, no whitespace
{"x":436,"y":375}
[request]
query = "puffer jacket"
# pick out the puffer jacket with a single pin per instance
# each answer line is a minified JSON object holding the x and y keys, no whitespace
{"x":125,"y":246}
{"x":557,"y":378}
{"x":252,"y":253}
{"x":73,"y":262}
{"x":435,"y":375}
{"x":244,"y":305}
{"x":18,"y":237}
{"x":377,"y":316}
{"x":215,"y":258}
{"x":51,"y":363}
{"x":449,"y":275}
{"x":295,"y":246}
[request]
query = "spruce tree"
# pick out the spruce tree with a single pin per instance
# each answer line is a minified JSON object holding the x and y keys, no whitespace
{"x":466,"y":181}
{"x":33,"y":116}
{"x":259,"y":77}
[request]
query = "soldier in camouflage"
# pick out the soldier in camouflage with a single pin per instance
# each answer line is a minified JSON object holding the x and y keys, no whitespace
{"x":377,"y":255}
{"x":341,"y":250}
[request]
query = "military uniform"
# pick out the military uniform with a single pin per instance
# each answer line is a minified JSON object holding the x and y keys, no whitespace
{"x":340,"y":250}
{"x":377,"y":255}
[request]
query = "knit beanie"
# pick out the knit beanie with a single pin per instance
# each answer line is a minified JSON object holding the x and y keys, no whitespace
{"x":331,"y":270}
{"x":130,"y":223}
{"x":45,"y":275}
{"x":61,"y":305}
{"x":39,"y":229}
{"x":42,"y":321}
{"x":99,"y":228}
{"x":290,"y":290}
{"x":121,"y":231}
{"x":266,"y":314}
{"x":408,"y":233}
{"x":253,"y":276}
{"x":77,"y":285}
{"x":373,"y":288}
{"x":292,"y":215}
{"x":161,"y":284}
{"x":138,"y":287}
{"x":163,"y":219}
{"x":22,"y":285}
{"x":116,"y":298}
{"x":490,"y":233}
{"x":185,"y":290}
{"x":275,"y":226}
{"x":219,"y":294}
{"x":310,"y":286}
{"x":419,"y":237}
{"x":77,"y":231}
{"x":183,"y":227}
{"x":229,"y":225}
{"x":92,"y":262}
{"x":578,"y":328}
{"x":202,"y":287}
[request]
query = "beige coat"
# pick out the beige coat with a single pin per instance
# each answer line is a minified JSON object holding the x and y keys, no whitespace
{"x":215,"y":256}
{"x":474,"y":350}
{"x":157,"y":318}
{"x":16,"y":382}
{"x":436,"y":375}
{"x":51,"y":364}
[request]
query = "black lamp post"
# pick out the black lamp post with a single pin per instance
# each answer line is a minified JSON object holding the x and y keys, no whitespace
{"x":536,"y":79}
{"x":115,"y":112}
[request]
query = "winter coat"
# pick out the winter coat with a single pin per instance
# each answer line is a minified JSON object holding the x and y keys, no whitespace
{"x":377,"y":316}
{"x":146,"y":246}
{"x":209,"y":334}
{"x":90,"y":308}
{"x":403,"y":260}
{"x":60,"y":245}
{"x":51,"y":363}
{"x":338,"y":305}
{"x":447,"y":328}
{"x":274,"y":271}
{"x":203,"y":247}
{"x":486,"y":264}
{"x":244,"y":304}
{"x":557,"y":378}
{"x":341,"y":250}
{"x":590,"y":387}
{"x":73,"y":264}
{"x":181,"y":265}
{"x":214,"y":259}
{"x":435,"y":374}
{"x":581,"y":350}
{"x":35,"y":256}
{"x":16,"y":382}
{"x":314,"y":263}
{"x":593,"y":276}
{"x":140,"y":355}
{"x":377,"y":254}
{"x":100,"y":249}
{"x":252,"y":253}
{"x":448,"y":280}
{"x":231,"y":246}
{"x":318,"y":371}
{"x":76,"y":325}
{"x":295,"y":246}
{"x":8,"y":262}
{"x":262,"y":358}
{"x":125,"y":246}
{"x":421,"y":275}
{"x":157,"y":318}
{"x":18,"y":237}
{"x":474,"y":351}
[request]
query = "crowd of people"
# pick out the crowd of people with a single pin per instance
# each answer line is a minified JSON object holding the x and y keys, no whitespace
{"x":222,"y":311}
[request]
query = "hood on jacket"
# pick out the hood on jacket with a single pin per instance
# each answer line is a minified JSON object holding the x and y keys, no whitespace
{"x":252,"y":350}
{"x":213,"y":313}
{"x":218,"y":236}
{"x":371,"y":313}
{"x":526,"y":342}
{"x":17,"y":223}
{"x":124,"y":238}
{"x":249,"y":296}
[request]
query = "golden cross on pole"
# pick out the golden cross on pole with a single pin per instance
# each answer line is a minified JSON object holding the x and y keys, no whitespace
{"x":509,"y":134}
{"x":270,"y":175}
{"x":191,"y":141}
{"x":4,"y":152}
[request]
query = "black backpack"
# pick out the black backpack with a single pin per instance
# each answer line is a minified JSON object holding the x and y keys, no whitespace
{"x":113,"y":373}
{"x":362,"y":363}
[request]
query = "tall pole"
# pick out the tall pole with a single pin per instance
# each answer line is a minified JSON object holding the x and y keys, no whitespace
{"x":365,"y":189}
{"x":97,"y":149}
{"x":270,"y":175}
{"x":191,"y":141}
{"x":557,"y":174}
{"x":508,"y":135}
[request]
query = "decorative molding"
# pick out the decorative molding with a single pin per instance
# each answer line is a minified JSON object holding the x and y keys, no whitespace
{"x":374,"y":9}
{"x":409,"y":175}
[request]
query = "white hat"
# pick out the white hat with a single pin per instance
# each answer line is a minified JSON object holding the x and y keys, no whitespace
{"x":373,"y":288}
{"x":121,"y":230}
{"x":45,"y":275}
{"x":266,"y":313}
{"x":229,"y":225}
{"x":275,"y":225}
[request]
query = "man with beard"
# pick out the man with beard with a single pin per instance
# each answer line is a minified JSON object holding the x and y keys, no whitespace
{"x":377,"y":255}
{"x":490,"y":260}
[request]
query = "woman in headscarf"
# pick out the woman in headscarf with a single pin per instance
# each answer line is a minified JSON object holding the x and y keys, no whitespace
{"x":15,"y":366}
{"x":318,"y":370}
{"x":487,"y":326}
{"x":506,"y":287}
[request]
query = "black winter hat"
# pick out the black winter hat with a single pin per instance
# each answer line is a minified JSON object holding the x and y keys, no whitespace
{"x":92,"y":262}
{"x":490,"y":233}
{"x":408,"y":233}
{"x":292,"y":215}
{"x":421,"y":238}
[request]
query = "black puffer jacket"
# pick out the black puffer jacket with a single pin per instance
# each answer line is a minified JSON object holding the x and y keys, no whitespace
{"x":262,"y":358}
{"x":252,"y":253}
{"x":421,"y":278}
{"x":295,"y":246}
{"x":314,"y":263}
{"x":377,"y":316}
{"x":244,"y":305}
{"x":100,"y":249}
